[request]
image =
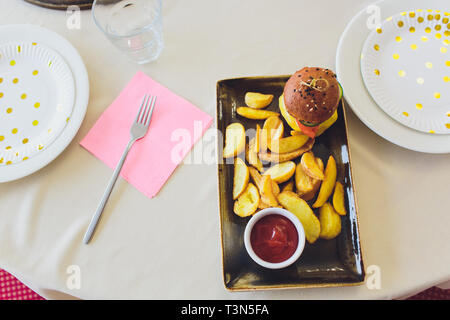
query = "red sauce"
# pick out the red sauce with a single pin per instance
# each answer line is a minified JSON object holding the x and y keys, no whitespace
{"x":274,"y":238}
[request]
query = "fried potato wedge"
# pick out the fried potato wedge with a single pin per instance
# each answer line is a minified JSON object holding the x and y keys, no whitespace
{"x":267,"y":194}
{"x":339,"y":199}
{"x":248,"y":201}
{"x":234,"y":140}
{"x":257,"y":179}
{"x":288,"y":186}
{"x":241,"y":177}
{"x":255,"y":114}
{"x":252,"y":156}
{"x":282,"y":157}
{"x":311,"y":167}
{"x":303,"y":182}
{"x":281,"y":172}
{"x":275,"y":127}
{"x":292,"y":202}
{"x":315,"y":184}
{"x":328,"y":183}
{"x":258,"y":100}
{"x":330,"y":222}
{"x":288,"y":144}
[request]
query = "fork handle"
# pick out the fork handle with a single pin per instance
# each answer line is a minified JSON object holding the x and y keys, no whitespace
{"x":102,"y":204}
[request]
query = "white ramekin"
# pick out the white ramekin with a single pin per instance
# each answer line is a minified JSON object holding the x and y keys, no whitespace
{"x":293,"y":219}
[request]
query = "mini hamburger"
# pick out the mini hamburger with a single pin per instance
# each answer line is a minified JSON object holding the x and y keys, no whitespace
{"x":310,"y":100}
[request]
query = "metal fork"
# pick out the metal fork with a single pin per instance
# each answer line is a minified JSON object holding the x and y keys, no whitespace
{"x":138,"y":130}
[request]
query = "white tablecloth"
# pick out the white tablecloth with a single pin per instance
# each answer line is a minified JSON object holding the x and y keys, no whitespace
{"x":169,"y":246}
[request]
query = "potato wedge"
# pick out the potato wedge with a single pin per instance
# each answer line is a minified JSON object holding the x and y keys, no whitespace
{"x":281,"y":172}
{"x":292,"y":202}
{"x":252,"y":156}
{"x":257,"y":179}
{"x":255,"y":114}
{"x":267,"y":194}
{"x":315,"y":184}
{"x":303,"y":182}
{"x":288,"y":144}
{"x":275,"y":127}
{"x":241,"y":177}
{"x":234,"y":140}
{"x":282,"y":157}
{"x":258,"y":100}
{"x":248,"y":201}
{"x":310,"y":166}
{"x":289,"y":186}
{"x":339,"y":199}
{"x":330,"y":222}
{"x":328,"y":183}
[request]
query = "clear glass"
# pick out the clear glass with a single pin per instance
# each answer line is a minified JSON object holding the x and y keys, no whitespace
{"x":133,"y":26}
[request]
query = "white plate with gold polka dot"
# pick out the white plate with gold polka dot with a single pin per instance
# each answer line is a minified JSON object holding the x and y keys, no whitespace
{"x":36,"y":99}
{"x":406,"y":69}
{"x":44,"y":91}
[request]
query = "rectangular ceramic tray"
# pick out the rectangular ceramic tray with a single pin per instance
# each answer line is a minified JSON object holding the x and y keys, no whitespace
{"x":336,"y":262}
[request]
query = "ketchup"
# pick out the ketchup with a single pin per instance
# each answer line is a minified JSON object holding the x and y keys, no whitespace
{"x":274,"y":238}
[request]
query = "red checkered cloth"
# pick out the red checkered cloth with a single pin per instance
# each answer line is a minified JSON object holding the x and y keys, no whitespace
{"x":13,"y":289}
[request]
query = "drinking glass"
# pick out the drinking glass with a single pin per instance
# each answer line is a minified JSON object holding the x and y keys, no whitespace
{"x":133,"y":26}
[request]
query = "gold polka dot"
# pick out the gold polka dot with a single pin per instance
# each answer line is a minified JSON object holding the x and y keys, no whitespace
{"x":424,"y":38}
{"x":12,"y":63}
{"x":420,"y":19}
{"x":1,"y":94}
{"x":34,"y":43}
{"x":437,"y":17}
{"x":431,"y":131}
{"x":40,"y":147}
{"x":419,"y":106}
{"x":438,"y":36}
{"x":414,"y":46}
{"x":2,"y":138}
{"x":448,"y":26}
{"x":1,"y":80}
{"x":430,"y":17}
{"x":35,"y":123}
{"x":400,"y":24}
{"x":14,"y":131}
{"x":443,"y":49}
{"x":23,"y":96}
{"x":396,"y":56}
{"x":447,"y":125}
{"x":8,"y":148}
{"x":376,"y":47}
{"x":406,"y":114}
{"x":448,"y":114}
{"x":8,"y":162}
{"x":15,"y":80}
{"x":379,"y":30}
{"x":437,"y":27}
{"x":25,"y":158}
{"x":9,"y":110}
{"x":35,"y":73}
{"x":25,"y":141}
{"x":427,"y":29}
{"x":412,"y":14}
{"x":412,"y":29}
{"x":403,"y":13}
{"x":445,"y":20}
{"x":437,"y":95}
{"x":401,"y":73}
{"x":68,"y":118}
{"x":429,"y":65}
{"x":398,"y":39}
{"x":447,"y":63}
{"x":447,"y":33}
{"x":37,"y":105}
{"x":446,"y":79}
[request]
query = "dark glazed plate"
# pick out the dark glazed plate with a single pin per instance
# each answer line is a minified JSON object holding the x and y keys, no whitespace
{"x":62,"y":4}
{"x":325,"y":263}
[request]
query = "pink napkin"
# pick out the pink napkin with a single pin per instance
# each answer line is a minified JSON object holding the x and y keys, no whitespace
{"x":152,"y":159}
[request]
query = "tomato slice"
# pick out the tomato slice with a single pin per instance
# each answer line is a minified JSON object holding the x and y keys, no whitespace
{"x":309,"y":131}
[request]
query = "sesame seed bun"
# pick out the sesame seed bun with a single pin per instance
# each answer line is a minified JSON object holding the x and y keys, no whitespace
{"x":312,"y":95}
